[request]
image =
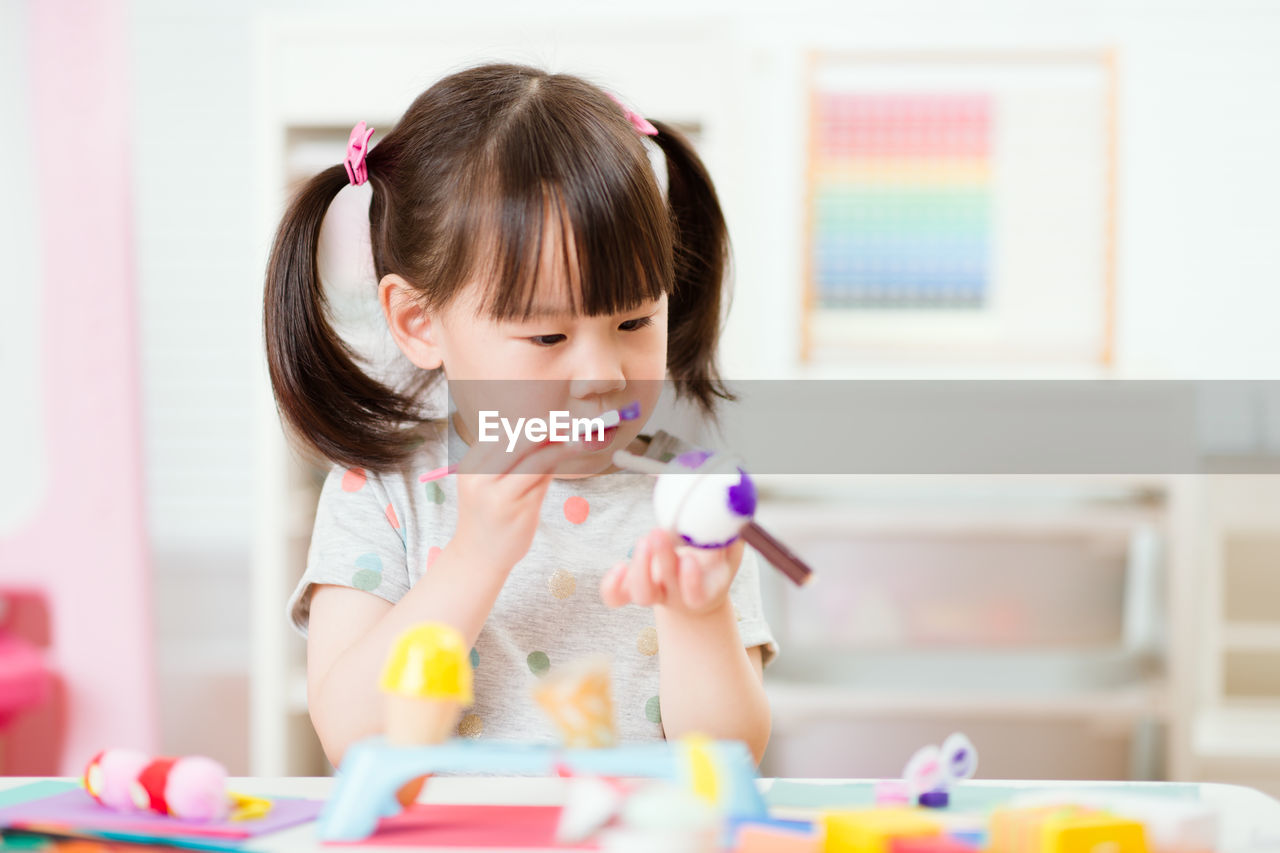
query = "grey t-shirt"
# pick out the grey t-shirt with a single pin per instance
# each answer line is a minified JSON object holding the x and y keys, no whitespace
{"x":380,"y":532}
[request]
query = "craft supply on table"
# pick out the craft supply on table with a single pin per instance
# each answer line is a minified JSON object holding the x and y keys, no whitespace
{"x":190,"y":787}
{"x":66,"y":807}
{"x":427,"y":681}
{"x":431,"y":825}
{"x":932,"y":770}
{"x":893,"y":792}
{"x":700,"y":795}
{"x":576,"y":697}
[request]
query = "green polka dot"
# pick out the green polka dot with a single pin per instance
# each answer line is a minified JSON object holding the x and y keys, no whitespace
{"x":539,"y":663}
{"x":666,"y":457}
{"x":368,"y":575}
{"x":653,"y":710}
{"x":475,"y":658}
{"x":435,"y":494}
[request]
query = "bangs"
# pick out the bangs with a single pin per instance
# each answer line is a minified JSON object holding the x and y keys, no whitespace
{"x":552,"y":222}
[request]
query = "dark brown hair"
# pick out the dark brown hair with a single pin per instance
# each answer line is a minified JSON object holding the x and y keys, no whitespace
{"x":462,"y":187}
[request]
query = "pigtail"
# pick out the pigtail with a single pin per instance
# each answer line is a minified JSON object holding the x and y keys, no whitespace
{"x":326,"y":401}
{"x":701,"y":258}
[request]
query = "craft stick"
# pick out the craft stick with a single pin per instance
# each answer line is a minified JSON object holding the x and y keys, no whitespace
{"x":778,"y":554}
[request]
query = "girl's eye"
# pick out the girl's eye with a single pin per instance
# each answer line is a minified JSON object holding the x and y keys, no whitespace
{"x":637,"y":323}
{"x":547,"y":340}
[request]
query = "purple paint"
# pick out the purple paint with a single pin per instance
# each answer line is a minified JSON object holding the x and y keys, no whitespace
{"x":742,"y":497}
{"x":725,"y":544}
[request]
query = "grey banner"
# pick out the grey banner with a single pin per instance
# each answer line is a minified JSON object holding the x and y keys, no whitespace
{"x":942,"y":427}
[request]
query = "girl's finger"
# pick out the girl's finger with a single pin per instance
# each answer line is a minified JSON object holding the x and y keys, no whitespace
{"x":536,"y":470}
{"x":612,"y":591}
{"x":733,"y":554}
{"x":528,"y":486}
{"x":501,"y":456}
{"x":492,"y":457}
{"x":639,"y":580}
{"x":691,"y":586}
{"x":716,"y":580}
{"x":541,"y":458}
{"x":663,"y":564}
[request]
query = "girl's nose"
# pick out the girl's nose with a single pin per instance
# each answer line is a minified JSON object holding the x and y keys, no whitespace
{"x":598,"y":371}
{"x":583,"y":387}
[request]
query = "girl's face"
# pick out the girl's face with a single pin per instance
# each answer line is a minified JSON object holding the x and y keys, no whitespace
{"x":555,"y":361}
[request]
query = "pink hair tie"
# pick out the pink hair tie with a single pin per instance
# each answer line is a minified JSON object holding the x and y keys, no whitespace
{"x":638,"y":121}
{"x":357,"y":149}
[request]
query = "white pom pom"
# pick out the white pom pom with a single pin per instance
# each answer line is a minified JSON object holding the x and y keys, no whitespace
{"x":706,"y":501}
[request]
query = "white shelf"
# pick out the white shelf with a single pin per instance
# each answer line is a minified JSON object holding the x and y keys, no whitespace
{"x":941,"y":520}
{"x":796,"y":704}
{"x":1239,"y":732}
{"x":964,"y":506}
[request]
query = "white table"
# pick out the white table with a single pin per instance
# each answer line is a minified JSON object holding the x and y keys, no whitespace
{"x":1251,"y":819}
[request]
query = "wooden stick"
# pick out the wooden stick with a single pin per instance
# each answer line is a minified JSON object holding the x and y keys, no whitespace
{"x":778,"y":554}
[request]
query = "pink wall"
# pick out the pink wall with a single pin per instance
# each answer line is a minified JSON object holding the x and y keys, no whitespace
{"x":86,"y":545}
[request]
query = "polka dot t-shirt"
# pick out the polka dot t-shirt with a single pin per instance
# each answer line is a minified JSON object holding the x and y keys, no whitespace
{"x":380,"y":533}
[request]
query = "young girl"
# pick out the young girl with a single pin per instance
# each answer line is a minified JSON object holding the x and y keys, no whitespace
{"x":519,"y":233}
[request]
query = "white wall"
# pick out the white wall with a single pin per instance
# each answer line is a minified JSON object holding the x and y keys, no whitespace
{"x":1199,"y":262}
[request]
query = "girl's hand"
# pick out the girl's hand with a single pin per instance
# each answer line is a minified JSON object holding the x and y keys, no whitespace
{"x":498,"y":512}
{"x":683,"y":578}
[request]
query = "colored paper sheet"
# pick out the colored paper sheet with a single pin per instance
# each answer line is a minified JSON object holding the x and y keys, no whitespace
{"x":35,"y":791}
{"x":13,"y":840}
{"x":75,"y":810}
{"x":431,"y":825}
{"x":60,"y":835}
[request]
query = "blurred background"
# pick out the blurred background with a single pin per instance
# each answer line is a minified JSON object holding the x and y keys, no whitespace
{"x":980,"y":189}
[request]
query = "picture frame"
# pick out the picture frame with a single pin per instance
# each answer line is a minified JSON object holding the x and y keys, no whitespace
{"x":960,"y":206}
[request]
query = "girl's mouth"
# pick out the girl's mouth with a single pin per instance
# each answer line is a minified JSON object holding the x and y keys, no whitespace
{"x":591,"y":442}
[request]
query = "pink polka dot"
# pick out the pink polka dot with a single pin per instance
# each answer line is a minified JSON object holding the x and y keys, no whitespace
{"x":391,"y":517}
{"x":576,"y":509}
{"x":353,"y":480}
{"x":433,"y":552}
